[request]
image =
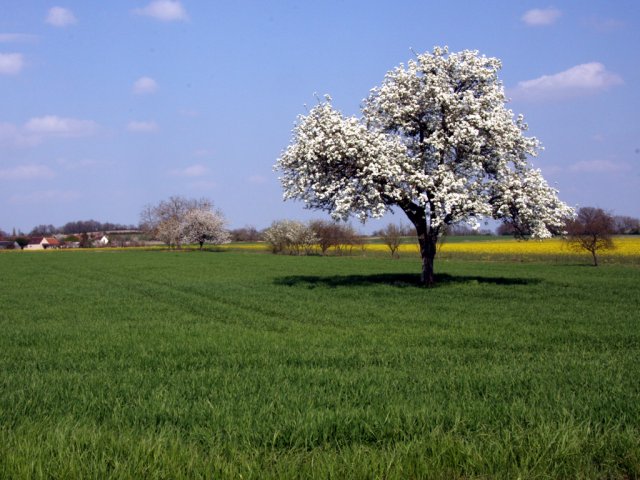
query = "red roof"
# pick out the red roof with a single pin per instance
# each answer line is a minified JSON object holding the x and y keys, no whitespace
{"x":47,"y":240}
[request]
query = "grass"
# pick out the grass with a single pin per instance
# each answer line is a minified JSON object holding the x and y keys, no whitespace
{"x":226,"y":365}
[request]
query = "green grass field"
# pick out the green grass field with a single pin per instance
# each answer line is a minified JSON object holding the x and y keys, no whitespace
{"x":239,"y":365}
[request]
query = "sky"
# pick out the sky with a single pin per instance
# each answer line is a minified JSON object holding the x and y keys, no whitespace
{"x":106,"y":107}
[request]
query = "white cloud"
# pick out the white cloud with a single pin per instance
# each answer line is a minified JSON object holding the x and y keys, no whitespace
{"x":60,"y":17}
{"x":11,"y":63}
{"x":599,"y":166}
{"x":541,"y":17}
{"x":164,"y":10}
{"x":26,"y":172}
{"x":579,"y":80}
{"x":58,"y":126}
{"x":142,"y":127}
{"x":145,"y":86}
{"x":17,"y":38}
{"x":197,"y":170}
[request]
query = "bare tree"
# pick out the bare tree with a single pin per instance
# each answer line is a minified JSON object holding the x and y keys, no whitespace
{"x":43,"y":231}
{"x":248,"y":233}
{"x":392,"y":237}
{"x":591,"y":230}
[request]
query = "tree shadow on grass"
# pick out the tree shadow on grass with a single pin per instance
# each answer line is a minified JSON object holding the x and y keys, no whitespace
{"x":401,"y":280}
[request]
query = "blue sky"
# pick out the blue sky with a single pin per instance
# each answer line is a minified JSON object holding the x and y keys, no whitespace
{"x":108,"y":106}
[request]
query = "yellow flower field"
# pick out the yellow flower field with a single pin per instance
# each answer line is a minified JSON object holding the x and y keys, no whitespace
{"x":624,"y":246}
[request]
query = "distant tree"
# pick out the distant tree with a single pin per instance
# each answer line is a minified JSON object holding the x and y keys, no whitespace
{"x":405,"y":231}
{"x":204,"y":226}
{"x":626,"y":225}
{"x":463,"y":230}
{"x":591,"y":230}
{"x":43,"y":231}
{"x":3,"y":234}
{"x":505,"y":229}
{"x":164,"y":220}
{"x":331,"y":234}
{"x":392,"y":238}
{"x":248,"y":233}
{"x":85,"y":240}
{"x":22,"y":241}
{"x":80,"y":226}
{"x":290,"y":236}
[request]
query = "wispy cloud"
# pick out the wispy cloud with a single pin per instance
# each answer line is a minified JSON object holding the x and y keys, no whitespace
{"x":203,"y":152}
{"x":142,"y":127}
{"x":26,"y":172}
{"x":599,"y":166}
{"x":203,"y":185}
{"x":45,"y":196}
{"x":52,"y":125}
{"x":197,"y":170}
{"x":541,"y":17}
{"x":145,"y":86}
{"x":256,"y":179}
{"x":17,"y":38}
{"x":13,"y":137}
{"x":582,"y":79}
{"x":605,"y":25}
{"x":164,"y":10}
{"x":11,"y":63}
{"x":86,"y":163}
{"x":189,"y":112}
{"x":60,"y":17}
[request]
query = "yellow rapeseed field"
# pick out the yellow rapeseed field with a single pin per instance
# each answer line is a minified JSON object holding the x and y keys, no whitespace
{"x":624,"y":246}
{"x":503,"y":247}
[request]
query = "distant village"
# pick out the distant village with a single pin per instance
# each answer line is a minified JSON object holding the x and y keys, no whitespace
{"x":77,"y":234}
{"x":119,"y":238}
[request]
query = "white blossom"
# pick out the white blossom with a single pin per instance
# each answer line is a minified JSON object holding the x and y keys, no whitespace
{"x":290,"y":236}
{"x":204,"y":226}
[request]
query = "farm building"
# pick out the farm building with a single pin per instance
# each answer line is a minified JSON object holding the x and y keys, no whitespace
{"x":9,"y":245}
{"x":42,"y":243}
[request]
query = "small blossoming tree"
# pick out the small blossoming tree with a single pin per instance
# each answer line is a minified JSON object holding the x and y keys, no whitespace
{"x":290,"y":236}
{"x":435,"y":140}
{"x":204,"y":226}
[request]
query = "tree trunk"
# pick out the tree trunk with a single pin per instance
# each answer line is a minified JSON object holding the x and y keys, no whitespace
{"x":428,"y":254}
{"x":427,"y":239}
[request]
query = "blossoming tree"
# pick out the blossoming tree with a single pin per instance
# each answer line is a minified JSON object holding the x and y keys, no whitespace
{"x":435,"y":140}
{"x":202,"y":225}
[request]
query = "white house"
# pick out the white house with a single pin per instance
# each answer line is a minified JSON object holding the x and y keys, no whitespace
{"x":101,"y":241}
{"x":42,"y":243}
